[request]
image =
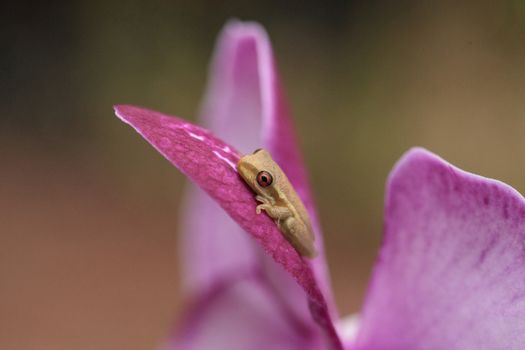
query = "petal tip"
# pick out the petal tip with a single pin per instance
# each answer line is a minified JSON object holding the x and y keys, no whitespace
{"x":239,"y":30}
{"x":414,"y":154}
{"x":120,"y":112}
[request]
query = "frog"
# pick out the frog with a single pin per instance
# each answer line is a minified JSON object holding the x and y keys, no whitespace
{"x":279,"y":199}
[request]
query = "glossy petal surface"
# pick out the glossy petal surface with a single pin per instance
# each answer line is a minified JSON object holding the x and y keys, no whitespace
{"x":210,"y":163}
{"x":451,"y":272}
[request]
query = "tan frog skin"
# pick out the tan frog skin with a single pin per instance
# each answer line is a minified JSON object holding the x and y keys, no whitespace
{"x":279,"y":200}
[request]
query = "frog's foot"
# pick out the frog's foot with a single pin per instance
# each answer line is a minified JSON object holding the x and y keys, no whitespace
{"x":262,"y":207}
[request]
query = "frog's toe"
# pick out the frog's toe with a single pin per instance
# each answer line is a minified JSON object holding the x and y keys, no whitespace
{"x":261,"y":207}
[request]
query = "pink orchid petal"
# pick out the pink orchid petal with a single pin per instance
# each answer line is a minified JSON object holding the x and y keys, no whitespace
{"x":244,"y":104}
{"x":210,"y":163}
{"x":451,"y":272}
{"x":216,"y":248}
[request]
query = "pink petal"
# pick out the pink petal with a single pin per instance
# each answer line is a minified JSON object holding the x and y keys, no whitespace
{"x":210,"y":163}
{"x":451,"y":272}
{"x":216,"y":248}
{"x":244,"y":104}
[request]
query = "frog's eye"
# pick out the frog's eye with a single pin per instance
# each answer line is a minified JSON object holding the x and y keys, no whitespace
{"x":264,"y":178}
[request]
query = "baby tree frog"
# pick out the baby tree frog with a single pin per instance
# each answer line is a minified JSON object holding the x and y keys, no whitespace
{"x":279,"y":199}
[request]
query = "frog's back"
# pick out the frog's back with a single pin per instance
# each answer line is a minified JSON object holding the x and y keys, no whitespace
{"x":295,"y":203}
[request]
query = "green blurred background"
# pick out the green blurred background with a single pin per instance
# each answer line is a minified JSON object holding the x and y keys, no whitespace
{"x":88,"y":210}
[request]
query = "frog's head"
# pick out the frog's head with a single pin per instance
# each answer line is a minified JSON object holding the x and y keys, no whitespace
{"x":259,"y":171}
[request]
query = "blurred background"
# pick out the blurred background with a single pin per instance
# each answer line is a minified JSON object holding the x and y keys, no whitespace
{"x":88,"y":210}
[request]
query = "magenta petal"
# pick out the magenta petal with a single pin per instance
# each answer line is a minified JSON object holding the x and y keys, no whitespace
{"x":245,"y":105}
{"x":210,"y":163}
{"x":451,"y":272}
{"x":217,"y":248}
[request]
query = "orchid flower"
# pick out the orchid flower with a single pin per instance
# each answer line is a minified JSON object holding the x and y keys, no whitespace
{"x":450,"y":272}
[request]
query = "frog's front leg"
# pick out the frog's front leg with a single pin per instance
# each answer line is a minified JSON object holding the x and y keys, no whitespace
{"x":277,"y":213}
{"x":267,"y":203}
{"x":265,"y":200}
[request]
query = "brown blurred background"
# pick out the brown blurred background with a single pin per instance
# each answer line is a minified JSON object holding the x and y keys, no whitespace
{"x":88,"y":210}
